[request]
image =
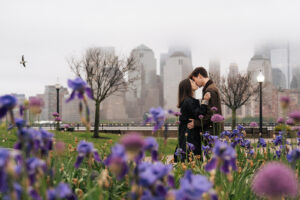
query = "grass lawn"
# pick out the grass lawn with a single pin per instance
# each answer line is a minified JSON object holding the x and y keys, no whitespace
{"x":106,"y":140}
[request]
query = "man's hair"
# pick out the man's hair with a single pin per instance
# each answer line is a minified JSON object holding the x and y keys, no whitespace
{"x":199,"y":70}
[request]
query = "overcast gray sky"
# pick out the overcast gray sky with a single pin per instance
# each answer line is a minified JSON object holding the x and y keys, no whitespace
{"x":48,"y":32}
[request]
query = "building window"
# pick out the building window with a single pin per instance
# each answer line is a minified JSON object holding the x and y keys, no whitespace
{"x":141,"y":55}
{"x":180,"y":61}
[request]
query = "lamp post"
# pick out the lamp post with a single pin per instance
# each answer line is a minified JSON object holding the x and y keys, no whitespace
{"x":57,"y":86}
{"x":260,"y":80}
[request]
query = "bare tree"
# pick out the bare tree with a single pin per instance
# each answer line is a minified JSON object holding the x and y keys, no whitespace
{"x":236,"y":91}
{"x":105,"y":74}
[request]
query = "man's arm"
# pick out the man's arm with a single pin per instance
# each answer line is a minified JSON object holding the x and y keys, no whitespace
{"x":213,"y":102}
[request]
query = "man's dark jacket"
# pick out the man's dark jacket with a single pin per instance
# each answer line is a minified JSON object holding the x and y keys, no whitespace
{"x":215,"y":101}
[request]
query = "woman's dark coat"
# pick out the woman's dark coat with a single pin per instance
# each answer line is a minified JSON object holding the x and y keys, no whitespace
{"x":190,"y":109}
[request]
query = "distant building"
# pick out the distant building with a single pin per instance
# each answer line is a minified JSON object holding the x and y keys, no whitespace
{"x":233,"y":70}
{"x":50,"y":100}
{"x":215,"y":70}
{"x":278,"y":78}
{"x":21,"y":99}
{"x":260,"y":63}
{"x":70,"y":111}
{"x":178,"y":66}
{"x":295,"y":84}
{"x":283,"y":55}
{"x":144,"y":92}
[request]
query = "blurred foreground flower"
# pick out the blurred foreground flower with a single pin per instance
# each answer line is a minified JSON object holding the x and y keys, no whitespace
{"x":253,"y":125}
{"x":35,"y":105}
{"x":193,"y":187}
{"x":134,"y":144}
{"x":217,"y":118}
{"x":158,"y":115}
{"x":86,"y":149}
{"x":152,"y":146}
{"x":79,"y":87}
{"x":280,"y":120}
{"x":7,"y":103}
{"x":117,"y":161}
{"x":62,"y":191}
{"x":295,"y":116}
{"x":149,"y":173}
{"x":284,"y":101}
{"x":275,"y":181}
{"x":224,"y":156}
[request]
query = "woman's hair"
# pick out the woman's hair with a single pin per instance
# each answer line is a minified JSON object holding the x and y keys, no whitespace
{"x":184,"y":90}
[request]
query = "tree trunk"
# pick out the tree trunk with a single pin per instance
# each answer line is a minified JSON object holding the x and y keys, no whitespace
{"x":233,"y":117}
{"x":97,"y":120}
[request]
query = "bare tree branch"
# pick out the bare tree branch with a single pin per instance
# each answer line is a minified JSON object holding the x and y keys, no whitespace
{"x":104,"y":73}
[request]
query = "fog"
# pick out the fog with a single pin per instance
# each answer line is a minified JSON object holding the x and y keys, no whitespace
{"x":49,"y":32}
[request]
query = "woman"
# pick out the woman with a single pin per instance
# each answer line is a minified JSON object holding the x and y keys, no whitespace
{"x":190,"y":108}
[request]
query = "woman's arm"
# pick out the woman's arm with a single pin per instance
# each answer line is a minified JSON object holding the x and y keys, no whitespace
{"x":186,"y":111}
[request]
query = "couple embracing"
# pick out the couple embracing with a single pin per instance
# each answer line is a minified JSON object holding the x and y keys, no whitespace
{"x":191,"y":108}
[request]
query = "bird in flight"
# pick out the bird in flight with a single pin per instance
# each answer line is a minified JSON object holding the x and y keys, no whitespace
{"x":23,"y":62}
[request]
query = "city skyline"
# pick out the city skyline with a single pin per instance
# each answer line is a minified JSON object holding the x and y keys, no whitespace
{"x":48,"y":33}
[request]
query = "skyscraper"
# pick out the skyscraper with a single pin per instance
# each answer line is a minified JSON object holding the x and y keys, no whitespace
{"x":233,"y":69}
{"x":278,"y":77}
{"x":50,"y":100}
{"x":144,"y":92}
{"x":260,"y":63}
{"x":178,"y":66}
{"x":215,"y":70}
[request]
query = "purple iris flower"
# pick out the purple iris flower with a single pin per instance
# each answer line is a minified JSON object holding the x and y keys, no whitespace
{"x":261,"y":143}
{"x":80,"y":87}
{"x":152,"y":146}
{"x":133,"y":142}
{"x":210,"y":138}
{"x":293,"y":155}
{"x":206,"y":149}
{"x":191,"y":147}
{"x":278,"y":154}
{"x":251,"y":152}
{"x":240,"y":128}
{"x":47,"y":141}
{"x":234,"y":133}
{"x":277,"y":140}
{"x":62,"y":191}
{"x":4,"y":156}
{"x":237,"y":140}
{"x":246,"y":144}
{"x":34,"y":194}
{"x":225,"y":133}
{"x":158,"y":115}
{"x":7,"y":103}
{"x":33,"y":165}
{"x":176,"y":114}
{"x":192,"y":186}
{"x":179,"y":153}
{"x":149,"y":173}
{"x":117,"y":161}
{"x":222,"y":153}
{"x":84,"y":150}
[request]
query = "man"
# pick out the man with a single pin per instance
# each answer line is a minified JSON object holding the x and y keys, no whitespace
{"x":200,"y":76}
